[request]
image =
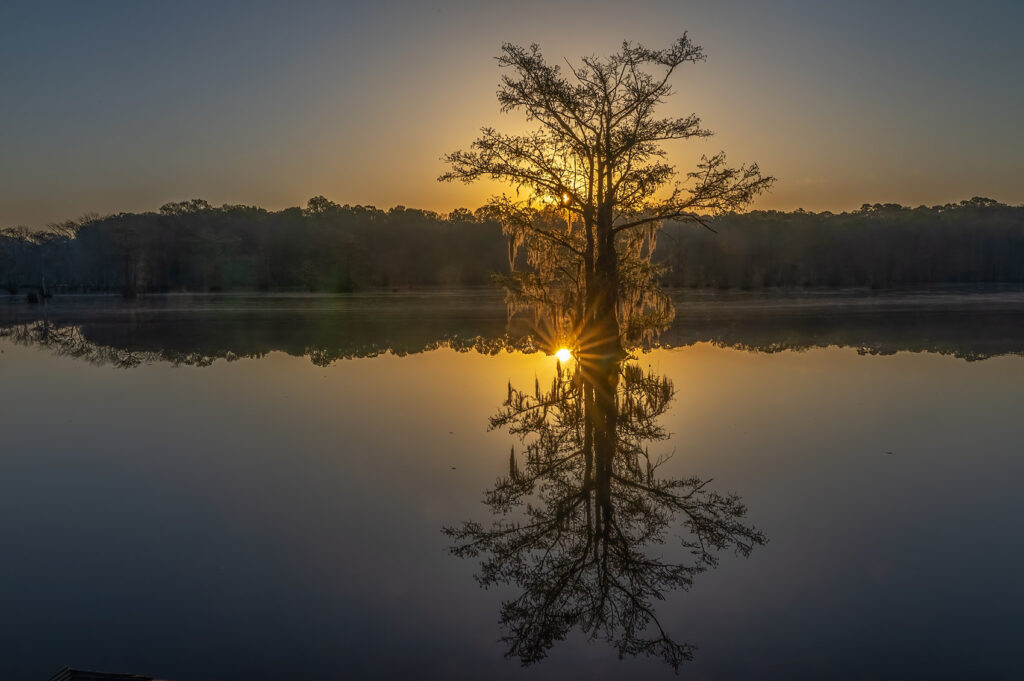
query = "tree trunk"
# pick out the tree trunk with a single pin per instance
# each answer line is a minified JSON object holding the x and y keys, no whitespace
{"x":603,"y":293}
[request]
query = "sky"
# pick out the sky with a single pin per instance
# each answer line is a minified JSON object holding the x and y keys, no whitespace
{"x":124,"y":106}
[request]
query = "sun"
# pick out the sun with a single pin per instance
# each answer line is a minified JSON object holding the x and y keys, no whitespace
{"x":563,"y":355}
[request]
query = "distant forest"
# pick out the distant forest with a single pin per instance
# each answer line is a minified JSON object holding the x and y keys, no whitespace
{"x":326,"y":247}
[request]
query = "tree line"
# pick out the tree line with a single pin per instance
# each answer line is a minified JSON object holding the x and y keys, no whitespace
{"x":193,"y":246}
{"x":977,"y":241}
{"x":326,"y":247}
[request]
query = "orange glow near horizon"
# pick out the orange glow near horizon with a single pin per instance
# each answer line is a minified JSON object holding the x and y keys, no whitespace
{"x":563,"y":355}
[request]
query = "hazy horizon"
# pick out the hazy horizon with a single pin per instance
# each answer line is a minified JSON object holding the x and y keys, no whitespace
{"x":115,"y":107}
{"x":93,"y":215}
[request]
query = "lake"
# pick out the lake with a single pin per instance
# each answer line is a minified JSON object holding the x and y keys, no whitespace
{"x":256,"y":487}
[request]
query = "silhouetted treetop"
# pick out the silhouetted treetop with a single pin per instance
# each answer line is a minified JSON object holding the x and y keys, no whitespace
{"x":599,"y":142}
{"x":597,"y":155}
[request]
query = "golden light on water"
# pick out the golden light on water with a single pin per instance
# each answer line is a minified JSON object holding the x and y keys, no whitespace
{"x":563,"y":355}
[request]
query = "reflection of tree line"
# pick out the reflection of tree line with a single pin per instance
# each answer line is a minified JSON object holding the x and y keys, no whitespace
{"x":70,"y":341}
{"x":966,"y":332}
{"x":199,"y":340}
{"x":585,"y":524}
{"x":73,"y":340}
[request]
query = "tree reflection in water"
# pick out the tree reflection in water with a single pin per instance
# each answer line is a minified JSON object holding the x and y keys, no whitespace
{"x":583,"y":516}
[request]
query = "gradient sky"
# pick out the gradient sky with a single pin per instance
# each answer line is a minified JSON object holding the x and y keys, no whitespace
{"x":111,"y":106}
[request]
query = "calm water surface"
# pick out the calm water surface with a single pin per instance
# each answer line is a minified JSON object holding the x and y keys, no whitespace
{"x":255,"y":488}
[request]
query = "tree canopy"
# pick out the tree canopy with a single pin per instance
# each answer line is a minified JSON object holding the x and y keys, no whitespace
{"x":597,"y":153}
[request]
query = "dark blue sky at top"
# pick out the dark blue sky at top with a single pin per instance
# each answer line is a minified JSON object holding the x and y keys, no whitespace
{"x":108,"y":106}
